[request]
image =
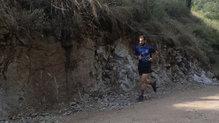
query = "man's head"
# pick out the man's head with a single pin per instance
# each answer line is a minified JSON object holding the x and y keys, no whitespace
{"x":142,"y":40}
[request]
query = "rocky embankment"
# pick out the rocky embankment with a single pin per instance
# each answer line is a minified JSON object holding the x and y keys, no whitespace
{"x":98,"y":77}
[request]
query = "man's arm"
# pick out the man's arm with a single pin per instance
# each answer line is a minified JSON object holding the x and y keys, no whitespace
{"x":136,"y":54}
{"x":154,"y":55}
{"x":138,"y":57}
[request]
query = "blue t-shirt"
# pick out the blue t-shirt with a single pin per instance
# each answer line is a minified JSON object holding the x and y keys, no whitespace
{"x":146,"y":53}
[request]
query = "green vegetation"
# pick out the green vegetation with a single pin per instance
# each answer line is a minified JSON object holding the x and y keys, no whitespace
{"x":151,"y":9}
{"x":208,"y":31}
{"x":208,"y":8}
{"x":208,"y":11}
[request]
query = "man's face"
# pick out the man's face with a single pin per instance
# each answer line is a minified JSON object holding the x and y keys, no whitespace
{"x":142,"y":41}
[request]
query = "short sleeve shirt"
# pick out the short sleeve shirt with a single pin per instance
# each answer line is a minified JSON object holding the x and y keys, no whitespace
{"x":146,"y":53}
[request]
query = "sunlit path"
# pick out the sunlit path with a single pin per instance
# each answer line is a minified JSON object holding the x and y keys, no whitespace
{"x":194,"y":106}
{"x":203,"y":103}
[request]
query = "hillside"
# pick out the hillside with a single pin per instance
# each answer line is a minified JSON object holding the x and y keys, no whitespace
{"x":57,"y":52}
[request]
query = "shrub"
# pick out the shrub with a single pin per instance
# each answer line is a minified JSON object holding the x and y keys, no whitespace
{"x":16,"y":20}
{"x":32,"y":20}
{"x":7,"y":20}
{"x":174,"y":8}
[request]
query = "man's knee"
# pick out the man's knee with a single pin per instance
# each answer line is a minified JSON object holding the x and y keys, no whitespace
{"x":143,"y":81}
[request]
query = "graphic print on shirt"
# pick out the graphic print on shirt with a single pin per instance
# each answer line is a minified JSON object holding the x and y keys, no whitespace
{"x":145,"y":55}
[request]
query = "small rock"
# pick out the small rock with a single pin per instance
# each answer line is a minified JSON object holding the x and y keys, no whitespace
{"x":44,"y":114}
{"x":73,"y":103}
{"x":210,"y":75}
{"x":34,"y":114}
{"x":56,"y":121}
{"x":67,"y":113}
{"x":43,"y":121}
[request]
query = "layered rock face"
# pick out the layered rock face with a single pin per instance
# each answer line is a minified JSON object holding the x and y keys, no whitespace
{"x":48,"y":74}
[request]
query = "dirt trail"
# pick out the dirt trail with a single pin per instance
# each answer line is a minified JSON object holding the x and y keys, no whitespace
{"x":200,"y":105}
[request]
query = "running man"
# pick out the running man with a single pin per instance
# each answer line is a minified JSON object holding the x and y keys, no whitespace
{"x":145,"y":54}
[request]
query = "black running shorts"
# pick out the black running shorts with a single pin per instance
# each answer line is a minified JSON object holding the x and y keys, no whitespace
{"x":144,"y":70}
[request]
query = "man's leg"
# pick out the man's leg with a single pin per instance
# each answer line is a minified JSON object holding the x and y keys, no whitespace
{"x":144,"y":81}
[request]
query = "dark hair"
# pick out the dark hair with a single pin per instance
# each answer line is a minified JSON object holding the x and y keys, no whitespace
{"x":142,"y":36}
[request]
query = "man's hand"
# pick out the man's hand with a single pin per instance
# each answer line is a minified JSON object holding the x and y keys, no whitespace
{"x":139,"y":57}
{"x":150,"y":59}
{"x":153,"y":56}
